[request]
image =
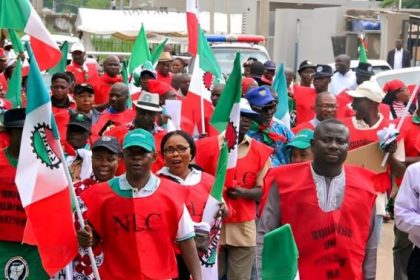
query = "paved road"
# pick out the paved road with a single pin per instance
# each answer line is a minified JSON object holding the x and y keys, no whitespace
{"x":385,"y":269}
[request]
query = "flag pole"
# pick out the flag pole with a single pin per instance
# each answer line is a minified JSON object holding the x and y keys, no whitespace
{"x":203,"y":126}
{"x":400,"y":123}
{"x":78,"y":211}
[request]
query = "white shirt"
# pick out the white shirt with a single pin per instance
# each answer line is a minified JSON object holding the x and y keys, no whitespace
{"x":330,"y":191}
{"x":398,"y":57}
{"x":340,"y":82}
{"x":193,"y":178}
{"x":407,"y":204}
{"x":185,"y":223}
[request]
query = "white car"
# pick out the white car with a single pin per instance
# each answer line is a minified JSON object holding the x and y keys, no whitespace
{"x":226,"y":47}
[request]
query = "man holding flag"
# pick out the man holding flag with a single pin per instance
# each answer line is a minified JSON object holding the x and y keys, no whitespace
{"x":232,"y":117}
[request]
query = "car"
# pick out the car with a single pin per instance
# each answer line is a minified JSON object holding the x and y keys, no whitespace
{"x":225,"y":47}
{"x":378,"y":66}
{"x":410,"y":76}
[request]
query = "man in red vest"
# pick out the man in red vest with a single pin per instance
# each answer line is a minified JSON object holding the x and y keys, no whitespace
{"x":163,"y":68}
{"x":330,"y":208}
{"x":137,"y":217}
{"x":305,"y":96}
{"x":102,"y":85}
{"x":82,"y":70}
{"x":61,"y":100}
{"x":325,"y":107}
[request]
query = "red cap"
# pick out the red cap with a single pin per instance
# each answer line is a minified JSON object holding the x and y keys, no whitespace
{"x":393,"y":85}
{"x":159,"y":87}
{"x":246,"y":82}
{"x":2,"y":53}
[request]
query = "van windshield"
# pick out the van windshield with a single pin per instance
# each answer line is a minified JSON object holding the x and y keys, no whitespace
{"x":226,"y":56}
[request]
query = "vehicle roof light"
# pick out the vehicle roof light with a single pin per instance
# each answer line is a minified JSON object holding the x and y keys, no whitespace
{"x":236,"y":38}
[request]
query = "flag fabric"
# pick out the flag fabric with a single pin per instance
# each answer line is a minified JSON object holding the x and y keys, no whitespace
{"x":46,"y":202}
{"x":362,"y":49}
{"x":226,"y":117}
{"x":287,"y":269}
{"x":14,"y":89}
{"x":61,"y":66}
{"x":209,"y":261}
{"x":124,"y":74}
{"x":280,"y":86}
{"x":140,"y":52}
{"x":192,"y":25}
{"x":18,"y":47}
{"x":196,"y":107}
{"x":20,"y":15}
{"x":16,"y":42}
{"x":157,"y":51}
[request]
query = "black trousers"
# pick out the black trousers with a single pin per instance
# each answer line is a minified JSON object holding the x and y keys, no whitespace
{"x":184,"y":273}
{"x":413,"y":268}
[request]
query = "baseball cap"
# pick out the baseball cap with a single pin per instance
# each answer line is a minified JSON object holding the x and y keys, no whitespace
{"x":139,"y":138}
{"x":80,"y":120}
{"x":302,"y":140}
{"x":259,"y":96}
{"x":246,"y":109}
{"x":148,"y":101}
{"x":107,"y":142}
{"x":322,"y":71}
{"x":79,"y":88}
{"x":364,"y":68}
{"x":269,"y":65}
{"x":368,"y":89}
{"x":393,"y":85}
{"x":257,"y":69}
{"x":14,"y":118}
{"x":77,"y":47}
{"x":306,"y":64}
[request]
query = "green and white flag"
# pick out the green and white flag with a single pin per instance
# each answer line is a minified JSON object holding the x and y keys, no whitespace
{"x":14,"y":90}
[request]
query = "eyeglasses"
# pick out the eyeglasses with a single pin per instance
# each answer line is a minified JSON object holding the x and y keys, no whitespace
{"x":178,"y":149}
{"x":327,"y":106}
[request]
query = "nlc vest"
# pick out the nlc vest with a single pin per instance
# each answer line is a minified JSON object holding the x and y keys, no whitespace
{"x":331,"y":244}
{"x":137,"y":234}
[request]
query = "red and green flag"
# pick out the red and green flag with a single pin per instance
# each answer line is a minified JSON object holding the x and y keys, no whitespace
{"x":20,"y":15}
{"x":46,"y":202}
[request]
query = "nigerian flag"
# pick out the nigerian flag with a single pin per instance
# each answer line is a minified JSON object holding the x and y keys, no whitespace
{"x":280,"y":86}
{"x":225,"y":119}
{"x":46,"y":201}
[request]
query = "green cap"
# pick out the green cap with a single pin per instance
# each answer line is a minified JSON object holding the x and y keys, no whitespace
{"x":279,"y":244}
{"x":139,"y":138}
{"x":416,"y":119}
{"x":302,"y":140}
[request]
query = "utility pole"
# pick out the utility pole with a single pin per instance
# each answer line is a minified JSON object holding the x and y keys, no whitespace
{"x":212,"y":7}
{"x":228,"y":16}
{"x":264,"y":17}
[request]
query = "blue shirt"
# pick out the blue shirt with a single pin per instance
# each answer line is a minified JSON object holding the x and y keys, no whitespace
{"x":280,"y":155}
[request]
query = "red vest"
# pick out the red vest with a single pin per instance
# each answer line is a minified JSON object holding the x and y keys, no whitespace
{"x":410,"y":133}
{"x":12,"y":214}
{"x":137,"y":234}
{"x":305,"y":102}
{"x":80,"y":75}
{"x":247,"y":171}
{"x":3,"y":81}
{"x":359,"y":138}
{"x":102,"y":85}
{"x":331,"y":245}
{"x":304,"y":125}
{"x":198,"y":195}
{"x":117,"y":119}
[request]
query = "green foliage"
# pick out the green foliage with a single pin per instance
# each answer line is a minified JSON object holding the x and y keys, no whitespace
{"x":405,"y":4}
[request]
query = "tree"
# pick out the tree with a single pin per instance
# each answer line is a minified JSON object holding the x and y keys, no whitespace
{"x":405,"y":4}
